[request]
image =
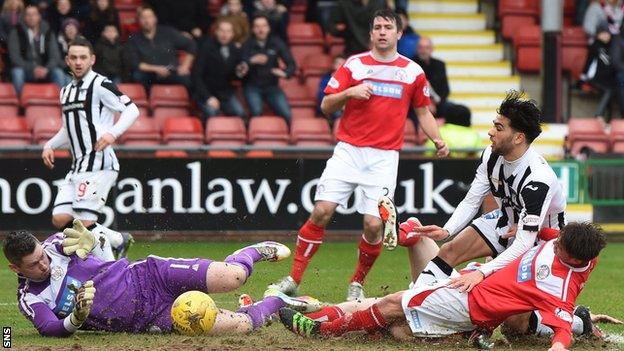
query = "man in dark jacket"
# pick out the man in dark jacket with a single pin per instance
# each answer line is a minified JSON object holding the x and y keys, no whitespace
{"x":261,"y":53}
{"x":34,"y":52}
{"x":190,"y":17}
{"x":350,"y":20}
{"x":214,"y":70}
{"x":153,"y":52}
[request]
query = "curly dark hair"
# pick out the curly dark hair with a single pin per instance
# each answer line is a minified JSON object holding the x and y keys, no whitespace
{"x":582,"y":240}
{"x":18,"y":244}
{"x":523,"y":114}
{"x":389,"y":15}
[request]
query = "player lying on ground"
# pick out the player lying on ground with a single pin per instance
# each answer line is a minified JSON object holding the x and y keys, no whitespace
{"x":63,"y":287}
{"x":547,"y":278}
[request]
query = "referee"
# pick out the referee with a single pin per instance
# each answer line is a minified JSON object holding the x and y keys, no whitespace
{"x":88,"y":104}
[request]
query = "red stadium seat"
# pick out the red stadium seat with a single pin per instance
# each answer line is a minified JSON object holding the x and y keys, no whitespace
{"x":574,"y":50}
{"x":162,"y":113}
{"x":9,"y":110}
{"x":34,"y":113}
{"x":143,"y":132}
{"x":183,"y":131}
{"x":587,"y":132}
{"x":617,"y":136}
{"x":268,"y":130}
{"x":8,"y":95}
{"x":527,"y":44}
{"x":136,"y":92}
{"x":316,"y":65}
{"x":45,"y":127}
{"x":14,"y":131}
{"x":40,"y":94}
{"x":313,"y":84}
{"x":515,"y":14}
{"x":298,"y":13}
{"x":511,"y":25}
{"x":302,"y":113}
{"x":300,"y":52}
{"x":127,"y":5}
{"x":334,"y":45}
{"x":168,"y":96}
{"x":129,"y":23}
{"x":305,"y":34}
{"x":410,"y":139}
{"x":310,"y":132}
{"x":297,"y":94}
{"x":226,"y":130}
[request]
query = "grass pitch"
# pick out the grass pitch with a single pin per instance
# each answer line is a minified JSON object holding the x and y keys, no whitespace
{"x":326,"y":279}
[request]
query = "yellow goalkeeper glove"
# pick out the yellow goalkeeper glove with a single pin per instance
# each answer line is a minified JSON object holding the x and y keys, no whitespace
{"x":78,"y":240}
{"x":82,"y":303}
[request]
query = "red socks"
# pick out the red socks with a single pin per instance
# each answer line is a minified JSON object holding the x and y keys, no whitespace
{"x":326,"y":314}
{"x":369,"y":320}
{"x":368,"y":254}
{"x":308,"y":242}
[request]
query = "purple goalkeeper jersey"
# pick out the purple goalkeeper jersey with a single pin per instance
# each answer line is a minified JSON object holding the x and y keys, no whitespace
{"x":129,"y":297}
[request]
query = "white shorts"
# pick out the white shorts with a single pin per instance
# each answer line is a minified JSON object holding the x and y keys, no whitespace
{"x":369,"y":172}
{"x":486,"y":227}
{"x":435,"y":311}
{"x":84,"y":194}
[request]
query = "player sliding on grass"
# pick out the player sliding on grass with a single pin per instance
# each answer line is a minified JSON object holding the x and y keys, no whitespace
{"x":547,"y":278}
{"x":63,"y":287}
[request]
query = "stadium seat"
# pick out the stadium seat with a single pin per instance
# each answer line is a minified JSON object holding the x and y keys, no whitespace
{"x":512,"y":24}
{"x":45,"y":127}
{"x":302,"y":113}
{"x":298,"y":12}
{"x":226,"y":130}
{"x":136,"y":92}
{"x":312,"y":83}
{"x":183,"y":131}
{"x":8,"y":95}
{"x":316,"y":65}
{"x":310,"y":132}
{"x":300,"y":52}
{"x":268,"y":130}
{"x":33,"y":113}
{"x":162,"y":113}
{"x":8,"y":110}
{"x":335,"y":46}
{"x":527,"y":44}
{"x":14,"y":131}
{"x":127,"y":5}
{"x":410,"y":139}
{"x":297,"y":94}
{"x":143,"y":132}
{"x":129,"y":23}
{"x":305,"y":34}
{"x":587,"y":132}
{"x":40,"y":94}
{"x":617,"y":136}
{"x":515,"y":14}
{"x":574,"y":50}
{"x":168,"y":96}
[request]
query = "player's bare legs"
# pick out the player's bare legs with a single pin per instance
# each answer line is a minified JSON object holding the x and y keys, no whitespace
{"x":420,"y":254}
{"x":229,"y":322}
{"x":309,"y":240}
{"x":224,"y":277}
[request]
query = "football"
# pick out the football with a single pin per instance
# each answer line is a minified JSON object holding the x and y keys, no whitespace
{"x":193,"y":313}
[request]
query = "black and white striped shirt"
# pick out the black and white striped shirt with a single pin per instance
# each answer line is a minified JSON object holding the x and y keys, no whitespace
{"x":88,"y":107}
{"x":526,"y":190}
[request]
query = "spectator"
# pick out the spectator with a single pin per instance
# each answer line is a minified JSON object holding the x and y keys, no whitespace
{"x":439,"y":90}
{"x":337,"y":62}
{"x":153,"y":52}
{"x":233,"y":12}
{"x":61,"y":10}
{"x":600,"y":70}
{"x":277,"y":15}
{"x":70,"y":29}
{"x":191,"y":17}
{"x":261,"y":53}
{"x":409,"y":40}
{"x":457,"y":132}
{"x":9,"y":18}
{"x":610,"y":12}
{"x":214,"y":69}
{"x":34,"y":52}
{"x":109,"y":54}
{"x":103,"y":13}
{"x":350,"y":20}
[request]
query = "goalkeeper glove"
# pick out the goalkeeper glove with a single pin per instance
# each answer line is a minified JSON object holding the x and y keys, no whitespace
{"x":78,"y":240}
{"x":83,"y":301}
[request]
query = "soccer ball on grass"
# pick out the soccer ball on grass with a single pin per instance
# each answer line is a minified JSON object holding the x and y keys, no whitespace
{"x":193,"y":313}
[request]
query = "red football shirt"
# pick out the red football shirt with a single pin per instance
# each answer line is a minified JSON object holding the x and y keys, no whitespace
{"x":538,"y":280}
{"x":379,"y":122}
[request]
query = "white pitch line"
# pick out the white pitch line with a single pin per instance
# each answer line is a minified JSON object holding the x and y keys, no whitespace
{"x":615,"y":338}
{"x":8,"y":303}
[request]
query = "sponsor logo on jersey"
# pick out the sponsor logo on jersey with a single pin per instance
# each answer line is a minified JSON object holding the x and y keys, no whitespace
{"x":73,"y":106}
{"x":526,"y":266}
{"x":390,"y":90}
{"x":493,"y":215}
{"x":542,"y":272}
{"x":563,"y":315}
{"x":65,"y":304}
{"x":415,"y":319}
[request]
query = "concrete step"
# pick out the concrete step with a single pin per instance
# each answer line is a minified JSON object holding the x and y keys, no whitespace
{"x":470,"y":53}
{"x":478,"y":68}
{"x":484,"y":84}
{"x":482,"y":117}
{"x":478,"y":100}
{"x":444,"y":6}
{"x":422,"y":21}
{"x":445,"y":37}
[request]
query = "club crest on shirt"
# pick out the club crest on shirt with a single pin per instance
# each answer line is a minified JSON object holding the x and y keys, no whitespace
{"x":56,"y":273}
{"x":542,"y":272}
{"x":400,"y":75}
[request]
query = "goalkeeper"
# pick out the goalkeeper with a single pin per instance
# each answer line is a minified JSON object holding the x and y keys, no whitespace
{"x":64,"y":286}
